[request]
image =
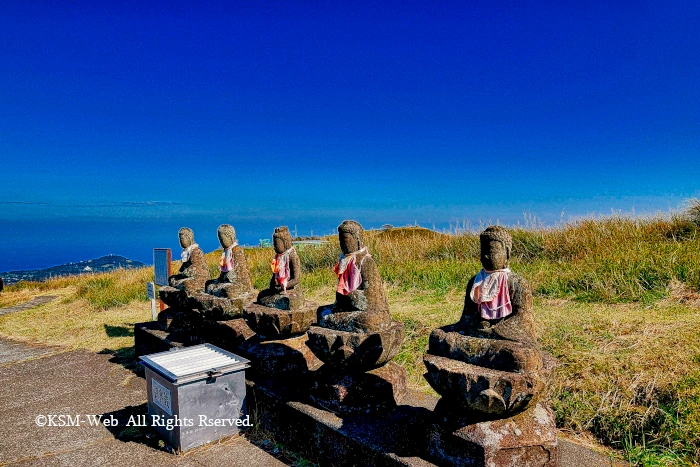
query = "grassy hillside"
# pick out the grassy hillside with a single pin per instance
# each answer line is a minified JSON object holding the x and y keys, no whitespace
{"x":616,"y":301}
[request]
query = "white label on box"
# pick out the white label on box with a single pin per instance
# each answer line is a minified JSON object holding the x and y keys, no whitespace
{"x":161,"y":396}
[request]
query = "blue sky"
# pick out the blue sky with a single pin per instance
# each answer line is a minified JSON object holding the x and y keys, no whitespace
{"x":399,"y":111}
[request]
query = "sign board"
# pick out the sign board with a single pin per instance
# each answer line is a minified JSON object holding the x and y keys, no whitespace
{"x":151,"y":290}
{"x":162,"y":263}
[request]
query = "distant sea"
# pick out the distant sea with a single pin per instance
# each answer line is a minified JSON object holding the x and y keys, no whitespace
{"x":40,"y":244}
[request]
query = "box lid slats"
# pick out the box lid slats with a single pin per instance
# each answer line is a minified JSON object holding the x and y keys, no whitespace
{"x":192,"y":363}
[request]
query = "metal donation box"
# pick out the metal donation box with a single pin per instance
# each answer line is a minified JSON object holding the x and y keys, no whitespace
{"x":196,"y":394}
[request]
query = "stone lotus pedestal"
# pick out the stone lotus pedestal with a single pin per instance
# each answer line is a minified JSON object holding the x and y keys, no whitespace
{"x":214,"y":307}
{"x":291,"y":300}
{"x":358,"y":350}
{"x":490,"y":413}
{"x":480,"y":389}
{"x":279,"y":347}
{"x":358,"y":375}
{"x":274,"y":323}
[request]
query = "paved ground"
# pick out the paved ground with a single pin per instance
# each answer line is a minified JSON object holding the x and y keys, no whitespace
{"x":13,"y":352}
{"x":36,"y":301}
{"x":44,"y":380}
{"x":41,"y":381}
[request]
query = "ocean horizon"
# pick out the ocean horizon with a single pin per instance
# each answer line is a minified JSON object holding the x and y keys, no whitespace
{"x":41,"y":243}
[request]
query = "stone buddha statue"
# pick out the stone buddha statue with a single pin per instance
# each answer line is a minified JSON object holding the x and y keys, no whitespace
{"x":225,"y":296}
{"x":194,"y":272}
{"x":234,"y":280}
{"x":280,"y":317}
{"x":488,"y":369}
{"x":497,"y":293}
{"x":356,"y":337}
{"x":495,"y":332}
{"x":360,"y":299}
{"x":284,"y":291}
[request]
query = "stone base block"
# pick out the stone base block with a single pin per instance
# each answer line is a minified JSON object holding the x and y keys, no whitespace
{"x":528,"y":439}
{"x":357,"y":350}
{"x":290,"y":356}
{"x":377,"y":390}
{"x":152,"y":336}
{"x":291,"y":300}
{"x":179,"y":321}
{"x":173,"y":297}
{"x":479,"y":389}
{"x":273,"y":323}
{"x":395,"y":438}
{"x":229,"y":335}
{"x":398,"y":438}
{"x":149,"y":338}
{"x":217,"y":308}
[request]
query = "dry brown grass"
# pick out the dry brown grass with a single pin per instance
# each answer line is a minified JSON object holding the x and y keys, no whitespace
{"x":75,"y":323}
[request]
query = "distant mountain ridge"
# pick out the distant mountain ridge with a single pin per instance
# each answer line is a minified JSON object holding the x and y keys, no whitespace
{"x":102,"y":264}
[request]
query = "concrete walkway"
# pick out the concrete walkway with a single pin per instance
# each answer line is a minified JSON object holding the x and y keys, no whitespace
{"x":34,"y":302}
{"x":45,"y":381}
{"x":15,"y":352}
{"x":51,"y":381}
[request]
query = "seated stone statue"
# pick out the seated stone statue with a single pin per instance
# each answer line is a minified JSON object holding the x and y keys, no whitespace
{"x":280,"y":310}
{"x":360,"y":301}
{"x":225,"y":297}
{"x":498,"y":303}
{"x":489,"y":362}
{"x":234,"y":280}
{"x":357,"y":330}
{"x":194,"y":272}
{"x":284,"y":291}
{"x":356,"y":337}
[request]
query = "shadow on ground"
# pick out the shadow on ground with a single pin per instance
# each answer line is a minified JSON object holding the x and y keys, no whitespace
{"x":128,"y":430}
{"x":125,"y":357}
{"x":119,"y":331}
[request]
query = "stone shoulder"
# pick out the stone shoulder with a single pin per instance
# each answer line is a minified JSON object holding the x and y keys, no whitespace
{"x":520,"y":292}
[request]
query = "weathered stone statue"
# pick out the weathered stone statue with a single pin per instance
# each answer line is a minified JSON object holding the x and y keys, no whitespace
{"x":226,"y":296}
{"x":490,"y":373}
{"x":234,"y":279}
{"x":281,"y":317}
{"x":360,"y":299}
{"x":284,"y":291}
{"x":194,"y":272}
{"x":192,"y":276}
{"x":356,"y":337}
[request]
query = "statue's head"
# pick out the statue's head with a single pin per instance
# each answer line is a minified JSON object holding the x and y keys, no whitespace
{"x":496,"y":246}
{"x":281,"y":239}
{"x":186,"y":237}
{"x":227,"y":235}
{"x":350,"y":236}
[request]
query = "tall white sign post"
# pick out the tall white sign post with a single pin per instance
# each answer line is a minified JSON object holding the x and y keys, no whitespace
{"x":151,"y":291}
